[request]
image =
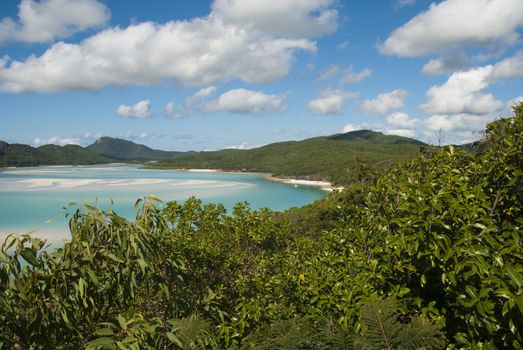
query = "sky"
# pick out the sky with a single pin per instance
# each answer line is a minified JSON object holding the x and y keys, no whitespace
{"x":207,"y":75}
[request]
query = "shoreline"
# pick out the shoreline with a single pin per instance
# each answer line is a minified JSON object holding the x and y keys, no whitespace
{"x":324,"y":185}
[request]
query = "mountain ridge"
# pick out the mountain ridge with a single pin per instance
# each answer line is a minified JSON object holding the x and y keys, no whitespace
{"x":124,"y":150}
{"x":318,"y":158}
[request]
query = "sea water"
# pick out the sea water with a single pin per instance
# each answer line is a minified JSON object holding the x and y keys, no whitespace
{"x":37,"y":198}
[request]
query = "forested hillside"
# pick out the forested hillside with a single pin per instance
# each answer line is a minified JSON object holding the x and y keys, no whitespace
{"x":428,"y":256}
{"x":320,"y":158}
{"x":124,"y":150}
{"x":25,"y":155}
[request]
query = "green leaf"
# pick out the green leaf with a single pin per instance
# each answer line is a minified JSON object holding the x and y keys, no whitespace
{"x":104,"y":331}
{"x":103,"y":342}
{"x":514,"y":275}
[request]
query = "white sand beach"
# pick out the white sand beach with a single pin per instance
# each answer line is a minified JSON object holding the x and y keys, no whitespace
{"x":324,"y":185}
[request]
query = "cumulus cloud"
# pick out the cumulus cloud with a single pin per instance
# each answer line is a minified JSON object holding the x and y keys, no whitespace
{"x":457,"y":122}
{"x":402,"y":3}
{"x":131,"y":135}
{"x":139,"y":110}
{"x":513,"y":102}
{"x":447,"y":64}
{"x":287,"y":18}
{"x":200,"y":95}
{"x":202,"y":51}
{"x":362,"y":126}
{"x":454,"y":24}
{"x":246,"y":102}
{"x":343,"y":45}
{"x":330,"y":102}
{"x":56,"y":140}
{"x":172,"y":111}
{"x":329,"y":73}
{"x":350,"y":77}
{"x":47,"y":20}
{"x":508,"y":68}
{"x":402,"y":120}
{"x":347,"y":75}
{"x":243,"y":145}
{"x":462,"y":92}
{"x":401,"y":124}
{"x":385,"y":102}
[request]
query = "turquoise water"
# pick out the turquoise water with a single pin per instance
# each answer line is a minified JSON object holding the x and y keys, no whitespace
{"x":29,"y":197}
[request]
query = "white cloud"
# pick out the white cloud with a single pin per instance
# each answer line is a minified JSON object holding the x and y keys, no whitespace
{"x":462,"y":92}
{"x":454,"y":24}
{"x":191,"y":102}
{"x":361,"y":126}
{"x":330,"y":102}
{"x":401,"y":124}
{"x":385,"y":102}
{"x":508,"y":68}
{"x":288,"y":18}
{"x":351,"y":127}
{"x":279,"y":131}
{"x":402,"y":3}
{"x":329,"y":73}
{"x":350,"y":77}
{"x":347,"y":75}
{"x":139,"y":110}
{"x":130,"y":135}
{"x":202,"y":51}
{"x":57,"y":140}
{"x":513,"y":102}
{"x":402,"y":120}
{"x":172,"y":111}
{"x":457,"y":122}
{"x":47,"y":20}
{"x":246,"y":102}
{"x":243,"y":145}
{"x":343,"y":45}
{"x":447,"y":64}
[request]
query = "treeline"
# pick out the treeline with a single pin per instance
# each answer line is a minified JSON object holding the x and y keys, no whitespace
{"x":25,"y":155}
{"x":428,"y":256}
{"x":319,"y":158}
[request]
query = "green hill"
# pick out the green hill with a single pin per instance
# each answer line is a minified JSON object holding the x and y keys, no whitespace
{"x":124,"y":150}
{"x":25,"y":155}
{"x":325,"y":158}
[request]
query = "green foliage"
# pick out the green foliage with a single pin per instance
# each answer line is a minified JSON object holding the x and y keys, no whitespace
{"x":24,"y":155}
{"x":316,"y":158}
{"x":124,"y":150}
{"x":427,"y":256}
{"x":383,"y":330}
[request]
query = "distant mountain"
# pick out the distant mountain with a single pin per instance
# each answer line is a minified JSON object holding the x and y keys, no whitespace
{"x":316,"y":158}
{"x":375,"y":137}
{"x":123,"y":150}
{"x":25,"y":155}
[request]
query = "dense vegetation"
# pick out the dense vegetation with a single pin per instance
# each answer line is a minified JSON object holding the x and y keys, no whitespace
{"x":123,"y":150}
{"x":24,"y":155}
{"x":104,"y":150}
{"x":427,"y":256}
{"x":319,"y":158}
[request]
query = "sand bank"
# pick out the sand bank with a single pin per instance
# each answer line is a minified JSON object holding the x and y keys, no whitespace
{"x":324,"y":185}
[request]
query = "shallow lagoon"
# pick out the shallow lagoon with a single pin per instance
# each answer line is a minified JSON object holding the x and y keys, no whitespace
{"x":30,"y":197}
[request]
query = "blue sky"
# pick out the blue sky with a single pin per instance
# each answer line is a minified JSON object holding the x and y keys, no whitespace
{"x":206,"y":75}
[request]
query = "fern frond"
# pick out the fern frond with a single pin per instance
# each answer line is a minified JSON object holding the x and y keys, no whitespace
{"x":193,"y":332}
{"x":382,"y":325}
{"x":296,"y":333}
{"x":336,"y":337}
{"x":421,"y":334}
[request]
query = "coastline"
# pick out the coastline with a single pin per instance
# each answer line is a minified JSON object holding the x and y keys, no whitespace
{"x":324,"y":185}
